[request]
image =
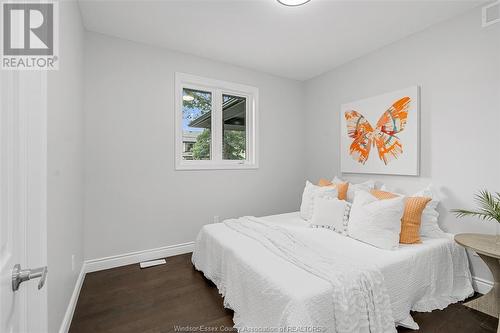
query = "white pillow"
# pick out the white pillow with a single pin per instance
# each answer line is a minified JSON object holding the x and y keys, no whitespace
{"x":376,"y":222}
{"x":429,"y":226}
{"x":310,"y":192}
{"x":331,"y":213}
{"x":351,"y":190}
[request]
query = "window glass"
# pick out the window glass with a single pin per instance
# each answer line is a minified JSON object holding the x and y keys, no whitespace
{"x":216,"y":124}
{"x":234,"y":135}
{"x":196,"y":124}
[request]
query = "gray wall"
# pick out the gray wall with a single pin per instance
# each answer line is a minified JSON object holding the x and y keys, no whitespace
{"x":135,"y":200}
{"x":457,"y":65}
{"x":65,"y":165}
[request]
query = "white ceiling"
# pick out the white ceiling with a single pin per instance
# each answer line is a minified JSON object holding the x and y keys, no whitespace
{"x":293,"y":42}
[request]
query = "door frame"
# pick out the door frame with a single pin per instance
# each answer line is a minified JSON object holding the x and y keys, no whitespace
{"x":27,"y":149}
{"x":33,"y":94}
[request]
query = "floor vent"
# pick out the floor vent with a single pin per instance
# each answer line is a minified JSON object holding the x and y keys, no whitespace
{"x":491,"y":14}
{"x":151,"y":263}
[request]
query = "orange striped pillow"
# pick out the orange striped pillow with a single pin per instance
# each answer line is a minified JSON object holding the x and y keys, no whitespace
{"x":412,"y":216}
{"x":341,"y":187}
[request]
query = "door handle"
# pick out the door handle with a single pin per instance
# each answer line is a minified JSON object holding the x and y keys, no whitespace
{"x":20,"y":275}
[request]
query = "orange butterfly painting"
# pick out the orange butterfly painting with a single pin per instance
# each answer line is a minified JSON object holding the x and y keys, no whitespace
{"x":383,"y":136}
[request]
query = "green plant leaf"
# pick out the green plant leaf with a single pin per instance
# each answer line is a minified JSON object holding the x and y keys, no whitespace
{"x":488,"y":207}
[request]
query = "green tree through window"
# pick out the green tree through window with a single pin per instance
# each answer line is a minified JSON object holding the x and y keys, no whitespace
{"x":201,"y":148}
{"x":234,"y":145}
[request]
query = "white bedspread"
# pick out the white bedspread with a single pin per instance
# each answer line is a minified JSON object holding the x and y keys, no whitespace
{"x":268,"y":291}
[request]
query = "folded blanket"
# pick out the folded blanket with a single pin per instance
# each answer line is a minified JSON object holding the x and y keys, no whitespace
{"x":360,"y":299}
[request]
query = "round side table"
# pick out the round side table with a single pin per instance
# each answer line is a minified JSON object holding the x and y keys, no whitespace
{"x":487,"y":248}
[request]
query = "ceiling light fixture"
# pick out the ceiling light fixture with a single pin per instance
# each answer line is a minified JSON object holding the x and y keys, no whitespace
{"x":293,"y":3}
{"x":187,"y":98}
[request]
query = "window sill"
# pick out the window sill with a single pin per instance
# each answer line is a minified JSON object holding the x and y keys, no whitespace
{"x":199,"y":167}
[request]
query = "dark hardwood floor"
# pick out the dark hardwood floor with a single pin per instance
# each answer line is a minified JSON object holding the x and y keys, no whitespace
{"x":161,"y":298}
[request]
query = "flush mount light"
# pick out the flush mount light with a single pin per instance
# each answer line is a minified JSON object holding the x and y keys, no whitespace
{"x":293,"y":3}
{"x":187,"y":98}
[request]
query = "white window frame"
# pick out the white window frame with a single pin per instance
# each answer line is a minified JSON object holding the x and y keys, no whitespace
{"x":217,"y":88}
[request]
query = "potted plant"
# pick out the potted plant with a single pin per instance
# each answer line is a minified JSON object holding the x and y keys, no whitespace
{"x":488,"y":210}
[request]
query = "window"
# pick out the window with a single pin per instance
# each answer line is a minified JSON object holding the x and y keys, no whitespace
{"x":216,"y":124}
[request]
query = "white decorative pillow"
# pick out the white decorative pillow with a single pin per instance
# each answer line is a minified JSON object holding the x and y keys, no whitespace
{"x":429,"y":226}
{"x":331,"y":213}
{"x":376,"y":222}
{"x":351,"y":190}
{"x":308,"y":196}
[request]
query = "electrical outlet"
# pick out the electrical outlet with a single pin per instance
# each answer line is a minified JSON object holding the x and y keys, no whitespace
{"x":73,"y":262}
{"x":216,"y":219}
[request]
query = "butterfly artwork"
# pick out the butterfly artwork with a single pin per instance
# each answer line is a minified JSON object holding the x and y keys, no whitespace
{"x":383,"y":136}
{"x":380,"y":134}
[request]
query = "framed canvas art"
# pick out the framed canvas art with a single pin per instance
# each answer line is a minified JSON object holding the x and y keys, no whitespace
{"x":380,"y":135}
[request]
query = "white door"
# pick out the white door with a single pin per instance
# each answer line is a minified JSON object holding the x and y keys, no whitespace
{"x":23,"y":199}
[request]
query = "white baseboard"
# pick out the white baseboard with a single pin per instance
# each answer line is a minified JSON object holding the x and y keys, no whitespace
{"x":136,"y":257}
{"x":68,"y":316}
{"x":481,"y":285}
{"x":117,"y":261}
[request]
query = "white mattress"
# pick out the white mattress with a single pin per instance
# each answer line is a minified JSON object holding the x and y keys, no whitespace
{"x":258,"y":285}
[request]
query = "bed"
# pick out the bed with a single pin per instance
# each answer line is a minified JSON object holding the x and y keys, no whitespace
{"x":271,"y":292}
